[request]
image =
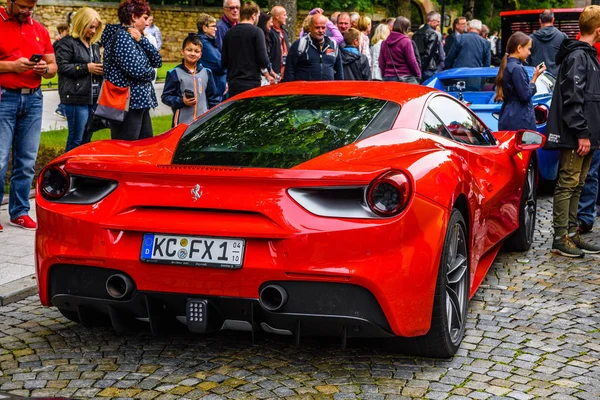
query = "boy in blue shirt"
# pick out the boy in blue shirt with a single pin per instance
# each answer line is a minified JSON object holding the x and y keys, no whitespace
{"x":189,"y":88}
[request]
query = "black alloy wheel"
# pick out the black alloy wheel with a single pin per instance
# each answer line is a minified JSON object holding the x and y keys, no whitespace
{"x":451,"y":300}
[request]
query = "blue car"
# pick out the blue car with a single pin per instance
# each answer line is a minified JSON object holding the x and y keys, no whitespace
{"x":477,"y":87}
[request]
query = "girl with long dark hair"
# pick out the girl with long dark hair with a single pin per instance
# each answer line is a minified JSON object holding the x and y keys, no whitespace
{"x":513,"y":86}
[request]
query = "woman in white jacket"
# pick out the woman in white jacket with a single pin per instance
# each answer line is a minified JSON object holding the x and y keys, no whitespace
{"x":381,"y":33}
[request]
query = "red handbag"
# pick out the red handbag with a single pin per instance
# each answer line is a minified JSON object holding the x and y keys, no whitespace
{"x":113,"y":102}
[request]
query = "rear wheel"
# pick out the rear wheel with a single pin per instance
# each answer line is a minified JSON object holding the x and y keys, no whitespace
{"x":522,"y":238}
{"x":451,"y":297}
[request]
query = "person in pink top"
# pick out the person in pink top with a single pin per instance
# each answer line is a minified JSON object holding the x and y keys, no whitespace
{"x":397,"y":59}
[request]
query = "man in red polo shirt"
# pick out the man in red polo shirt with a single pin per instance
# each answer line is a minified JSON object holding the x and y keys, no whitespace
{"x":26,"y":55}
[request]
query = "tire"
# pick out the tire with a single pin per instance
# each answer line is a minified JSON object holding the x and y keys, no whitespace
{"x":451,"y":299}
{"x":522,"y":238}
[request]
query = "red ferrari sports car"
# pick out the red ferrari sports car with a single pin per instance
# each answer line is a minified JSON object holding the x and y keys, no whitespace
{"x":301,"y":209}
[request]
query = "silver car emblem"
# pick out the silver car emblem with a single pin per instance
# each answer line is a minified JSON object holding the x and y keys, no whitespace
{"x":196,"y":192}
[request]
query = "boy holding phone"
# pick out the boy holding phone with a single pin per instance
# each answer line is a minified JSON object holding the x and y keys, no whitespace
{"x":189,"y":88}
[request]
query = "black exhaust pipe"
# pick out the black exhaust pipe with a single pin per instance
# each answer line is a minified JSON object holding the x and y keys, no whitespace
{"x":119,"y":286}
{"x":273,"y":297}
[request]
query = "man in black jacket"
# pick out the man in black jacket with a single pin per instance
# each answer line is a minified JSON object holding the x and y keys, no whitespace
{"x":314,"y":57}
{"x":427,"y":42}
{"x":545,"y":43}
{"x":574,"y":128}
{"x":279,"y":40}
{"x":245,"y":52}
{"x":356,"y":65}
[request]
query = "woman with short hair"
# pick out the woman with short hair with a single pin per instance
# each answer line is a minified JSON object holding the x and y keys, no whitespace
{"x":79,"y":72}
{"x":129,"y":61}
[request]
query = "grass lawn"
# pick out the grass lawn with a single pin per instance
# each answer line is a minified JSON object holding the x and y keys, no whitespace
{"x":161,"y":75}
{"x":58,"y":139}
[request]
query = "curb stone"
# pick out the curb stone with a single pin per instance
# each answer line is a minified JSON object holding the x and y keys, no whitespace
{"x":18,"y":289}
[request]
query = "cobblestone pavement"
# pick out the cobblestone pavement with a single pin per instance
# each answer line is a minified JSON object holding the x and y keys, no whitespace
{"x":533,"y":332}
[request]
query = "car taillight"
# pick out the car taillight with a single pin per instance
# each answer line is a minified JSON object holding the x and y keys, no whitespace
{"x":389,"y":193}
{"x":54,"y":182}
{"x":541,"y":114}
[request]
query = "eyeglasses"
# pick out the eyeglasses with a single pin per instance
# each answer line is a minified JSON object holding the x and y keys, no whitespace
{"x":24,"y":9}
{"x":233,"y":7}
{"x":211,"y":26}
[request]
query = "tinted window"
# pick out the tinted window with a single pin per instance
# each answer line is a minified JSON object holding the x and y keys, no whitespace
{"x":277,"y":132}
{"x":432,"y":124}
{"x":460,"y":122}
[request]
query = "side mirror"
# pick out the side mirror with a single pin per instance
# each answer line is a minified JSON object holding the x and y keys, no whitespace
{"x":526,"y":141}
{"x":461,"y":85}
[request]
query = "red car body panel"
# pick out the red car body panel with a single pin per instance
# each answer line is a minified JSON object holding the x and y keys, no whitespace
{"x":396,"y":258}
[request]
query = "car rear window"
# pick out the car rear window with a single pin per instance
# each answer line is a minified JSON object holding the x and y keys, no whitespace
{"x":280,"y":131}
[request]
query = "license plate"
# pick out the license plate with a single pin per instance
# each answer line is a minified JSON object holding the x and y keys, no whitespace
{"x":192,"y":250}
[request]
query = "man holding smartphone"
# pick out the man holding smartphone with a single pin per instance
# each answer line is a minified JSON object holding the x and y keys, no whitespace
{"x":26,"y":55}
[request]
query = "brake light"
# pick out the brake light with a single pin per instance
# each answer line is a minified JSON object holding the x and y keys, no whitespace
{"x":541,"y":114}
{"x":54,"y":182}
{"x":389,"y":193}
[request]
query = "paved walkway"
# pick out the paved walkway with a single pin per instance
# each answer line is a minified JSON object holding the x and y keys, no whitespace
{"x":17,"y":264}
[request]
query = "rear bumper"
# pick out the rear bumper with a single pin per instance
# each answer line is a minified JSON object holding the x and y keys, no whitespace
{"x":396,"y":261}
{"x":312,"y":308}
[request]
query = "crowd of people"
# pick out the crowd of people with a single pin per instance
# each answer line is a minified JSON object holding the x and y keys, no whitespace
{"x":247,"y":48}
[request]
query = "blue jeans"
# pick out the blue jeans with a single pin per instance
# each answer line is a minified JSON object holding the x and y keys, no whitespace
{"x":20,"y":127}
{"x":586,"y":211}
{"x":77,"y":117}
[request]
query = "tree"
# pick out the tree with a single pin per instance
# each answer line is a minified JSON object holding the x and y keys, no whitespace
{"x":403,"y":8}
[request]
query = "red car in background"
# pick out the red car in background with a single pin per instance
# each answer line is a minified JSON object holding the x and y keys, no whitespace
{"x":302,"y":209}
{"x":528,"y":21}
